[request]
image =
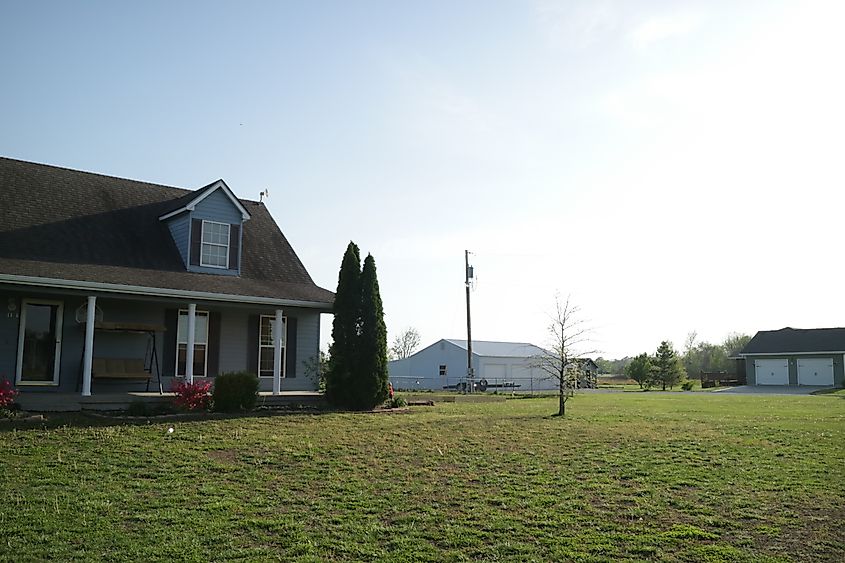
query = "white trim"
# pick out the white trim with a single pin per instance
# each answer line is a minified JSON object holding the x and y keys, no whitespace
{"x":218,"y":185}
{"x":172,"y":214}
{"x":228,"y":245}
{"x":157,"y":291}
{"x":88,"y":345}
{"x":279,"y":350}
{"x":57,"y":355}
{"x":260,"y":346}
{"x":197,"y":313}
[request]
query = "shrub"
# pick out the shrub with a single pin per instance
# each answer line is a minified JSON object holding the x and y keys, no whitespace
{"x":192,"y":396}
{"x":8,"y":394}
{"x":687,"y":385}
{"x":397,"y":402}
{"x":235,"y":392}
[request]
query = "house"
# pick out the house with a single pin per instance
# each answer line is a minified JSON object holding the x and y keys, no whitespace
{"x":496,"y":365}
{"x":792,"y":356}
{"x":109,"y":284}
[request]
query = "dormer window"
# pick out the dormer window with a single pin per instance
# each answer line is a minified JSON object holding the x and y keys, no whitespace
{"x":206,"y":227}
{"x":215,"y":244}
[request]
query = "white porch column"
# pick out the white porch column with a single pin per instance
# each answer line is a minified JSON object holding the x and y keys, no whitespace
{"x":277,"y":353}
{"x":189,"y":352}
{"x":88,"y":355}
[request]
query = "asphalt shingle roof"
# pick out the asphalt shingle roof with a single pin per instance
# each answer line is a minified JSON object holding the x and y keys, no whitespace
{"x":67,"y":224}
{"x":796,"y":340}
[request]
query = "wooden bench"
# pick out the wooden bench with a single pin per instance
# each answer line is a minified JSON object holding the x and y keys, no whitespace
{"x":119,"y":368}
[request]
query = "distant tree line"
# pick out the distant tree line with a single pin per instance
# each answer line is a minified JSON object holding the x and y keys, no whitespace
{"x":667,"y":367}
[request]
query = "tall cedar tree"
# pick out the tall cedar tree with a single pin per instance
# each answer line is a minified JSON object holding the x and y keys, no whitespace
{"x":345,"y":328}
{"x":668,"y":368}
{"x":370,"y":373}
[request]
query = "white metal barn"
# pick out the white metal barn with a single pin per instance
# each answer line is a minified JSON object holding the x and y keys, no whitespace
{"x":497,"y":365}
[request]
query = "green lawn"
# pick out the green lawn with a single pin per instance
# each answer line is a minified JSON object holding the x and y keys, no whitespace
{"x":637,"y":476}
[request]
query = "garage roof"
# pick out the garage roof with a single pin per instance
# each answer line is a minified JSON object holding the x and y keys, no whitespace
{"x":796,"y":340}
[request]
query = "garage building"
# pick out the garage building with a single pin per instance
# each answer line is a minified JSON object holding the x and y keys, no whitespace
{"x":794,"y":356}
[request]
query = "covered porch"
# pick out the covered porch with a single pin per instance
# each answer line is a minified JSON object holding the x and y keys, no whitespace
{"x":66,"y":343}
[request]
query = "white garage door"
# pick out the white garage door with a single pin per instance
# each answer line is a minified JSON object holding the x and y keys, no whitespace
{"x":815,"y":371}
{"x":771,"y":372}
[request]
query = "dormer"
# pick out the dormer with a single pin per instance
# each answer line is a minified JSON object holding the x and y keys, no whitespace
{"x":207,"y":227}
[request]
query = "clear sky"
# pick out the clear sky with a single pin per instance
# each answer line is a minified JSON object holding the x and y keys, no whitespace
{"x":673,"y":166}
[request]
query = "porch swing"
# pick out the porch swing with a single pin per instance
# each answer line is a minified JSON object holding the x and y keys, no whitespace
{"x":124,"y":369}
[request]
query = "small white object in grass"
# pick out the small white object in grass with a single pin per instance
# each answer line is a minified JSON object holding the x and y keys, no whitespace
{"x":439,"y":450}
{"x":170,"y":430}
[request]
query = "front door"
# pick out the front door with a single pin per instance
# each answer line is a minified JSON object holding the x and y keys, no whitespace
{"x":39,"y":342}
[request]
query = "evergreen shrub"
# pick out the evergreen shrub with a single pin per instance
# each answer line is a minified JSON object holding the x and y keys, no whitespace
{"x":235,"y":392}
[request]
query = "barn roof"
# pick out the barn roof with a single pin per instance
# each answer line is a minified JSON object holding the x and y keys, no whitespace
{"x":500,"y":349}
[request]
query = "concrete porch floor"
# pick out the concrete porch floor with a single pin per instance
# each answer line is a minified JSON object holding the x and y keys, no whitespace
{"x":74,"y":402}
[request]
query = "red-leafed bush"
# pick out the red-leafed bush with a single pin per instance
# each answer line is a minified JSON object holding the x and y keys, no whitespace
{"x":8,"y":394}
{"x":192,"y":396}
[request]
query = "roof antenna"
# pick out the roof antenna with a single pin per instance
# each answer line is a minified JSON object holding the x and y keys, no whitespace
{"x":263,"y":194}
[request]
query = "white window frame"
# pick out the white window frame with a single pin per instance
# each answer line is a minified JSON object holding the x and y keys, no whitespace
{"x":178,"y":342}
{"x":203,"y":243}
{"x":57,"y":360}
{"x":271,"y":346}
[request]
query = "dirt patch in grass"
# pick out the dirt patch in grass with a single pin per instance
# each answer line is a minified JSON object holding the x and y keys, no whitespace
{"x":223,"y":456}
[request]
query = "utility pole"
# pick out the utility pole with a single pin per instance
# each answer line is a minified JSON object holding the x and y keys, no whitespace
{"x":470,"y":378}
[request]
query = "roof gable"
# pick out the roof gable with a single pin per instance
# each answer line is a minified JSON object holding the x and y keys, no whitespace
{"x":796,"y":340}
{"x":189,"y":201}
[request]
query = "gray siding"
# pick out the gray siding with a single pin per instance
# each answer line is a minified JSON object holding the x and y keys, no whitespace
{"x":180,"y":231}
{"x":217,"y":207}
{"x":233,"y":341}
{"x":307,"y":350}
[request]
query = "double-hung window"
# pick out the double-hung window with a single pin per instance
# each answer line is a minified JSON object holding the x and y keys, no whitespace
{"x":266,"y":347}
{"x":215,"y":244}
{"x":200,"y":343}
